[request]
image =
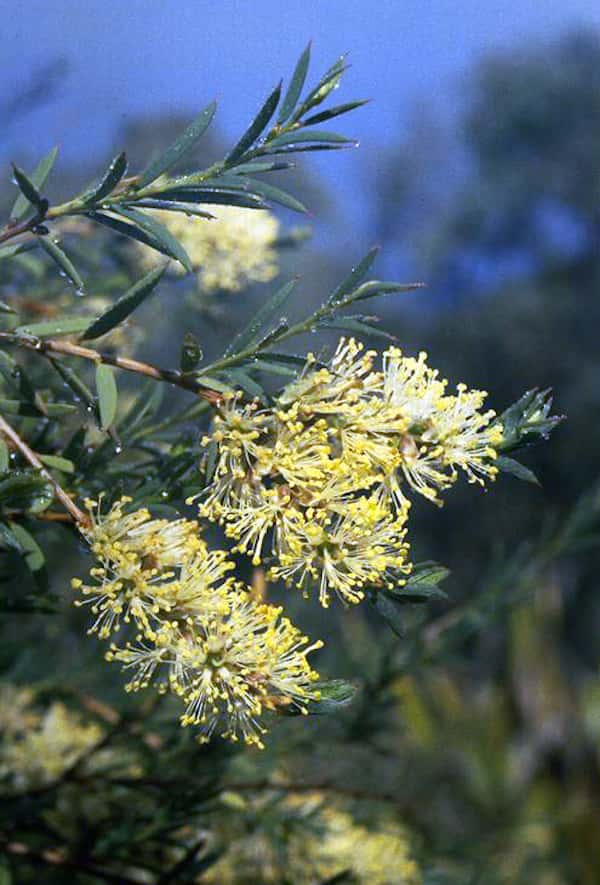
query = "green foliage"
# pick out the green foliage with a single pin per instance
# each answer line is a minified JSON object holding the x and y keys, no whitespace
{"x":396,"y":741}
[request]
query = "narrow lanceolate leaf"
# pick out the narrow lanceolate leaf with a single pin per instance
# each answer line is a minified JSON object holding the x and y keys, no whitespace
{"x":128,"y":302}
{"x":389,"y":609}
{"x":108,"y":182}
{"x":18,"y":407}
{"x":77,"y":385}
{"x":294,"y":90}
{"x":240,"y":378}
{"x":60,"y":257}
{"x":38,"y":179}
{"x":65,"y":326}
{"x":27,"y":187}
{"x":358,"y":325}
{"x":55,"y":410}
{"x":216,"y":196}
{"x":337,"y":111}
{"x":422,"y":584}
{"x":515,"y":468}
{"x":4,"y":456}
{"x":169,"y":244}
{"x":135,"y":232}
{"x":356,"y":276}
{"x":267,"y":312}
{"x":184,"y":143}
{"x":6,"y":308}
{"x":324,"y":87}
{"x":58,"y":463}
{"x":375,"y":288}
{"x":334,"y":696}
{"x":256,"y":128}
{"x":276,"y":195}
{"x":106,"y":388}
{"x":302,"y":136}
{"x":33,"y":555}
{"x":172,"y":206}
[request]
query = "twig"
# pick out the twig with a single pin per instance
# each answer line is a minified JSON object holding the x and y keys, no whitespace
{"x":68,"y":503}
{"x":69,"y":348}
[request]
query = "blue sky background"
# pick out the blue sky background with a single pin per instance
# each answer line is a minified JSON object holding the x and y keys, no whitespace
{"x":126,"y":57}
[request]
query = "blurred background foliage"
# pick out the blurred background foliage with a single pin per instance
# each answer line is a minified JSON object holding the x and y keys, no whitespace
{"x":476,"y":735}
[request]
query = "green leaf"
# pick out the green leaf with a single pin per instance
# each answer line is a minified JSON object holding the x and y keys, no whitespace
{"x":356,"y":276}
{"x":172,"y":206}
{"x":256,"y":127}
{"x":65,"y":265}
{"x":294,"y":90}
{"x":191,"y":353}
{"x":125,"y":306}
{"x":106,"y":387}
{"x":26,"y":490}
{"x":527,"y":420}
{"x":34,"y":556}
{"x":65,"y":326}
{"x":357,"y":325}
{"x":127,"y":230}
{"x":58,"y":463}
{"x":274,"y":366}
{"x":216,"y":196}
{"x":265,"y":314}
{"x":108,"y":182}
{"x":38,"y":179}
{"x":55,"y":410}
{"x":389,"y":609}
{"x":27,"y":188}
{"x":184,"y":143}
{"x":375,"y":288}
{"x":6,"y":308}
{"x":79,"y":387}
{"x":515,"y":468}
{"x":422,"y":584}
{"x":18,"y":407}
{"x":4,"y":456}
{"x":164,"y":239}
{"x":210,"y":461}
{"x":301,"y":136}
{"x":276,"y":195}
{"x":212,"y":383}
{"x":337,"y":111}
{"x":335,"y":695}
{"x":324,"y":87}
{"x":240,"y":378}
{"x":253,"y":167}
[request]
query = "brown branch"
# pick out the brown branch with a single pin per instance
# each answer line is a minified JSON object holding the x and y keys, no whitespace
{"x":68,"y":503}
{"x":70,"y":348}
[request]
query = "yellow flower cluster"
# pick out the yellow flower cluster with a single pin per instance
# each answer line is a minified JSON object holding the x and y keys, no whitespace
{"x":38,"y":746}
{"x":325,"y":471}
{"x":198,"y":632}
{"x":230,"y":251}
{"x":321,"y":841}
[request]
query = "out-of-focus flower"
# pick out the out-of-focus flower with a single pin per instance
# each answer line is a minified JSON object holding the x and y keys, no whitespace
{"x":38,"y":746}
{"x":317,"y":842}
{"x":230,"y":251}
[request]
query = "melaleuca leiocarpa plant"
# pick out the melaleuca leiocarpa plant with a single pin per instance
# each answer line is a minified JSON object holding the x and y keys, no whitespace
{"x":315,"y":479}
